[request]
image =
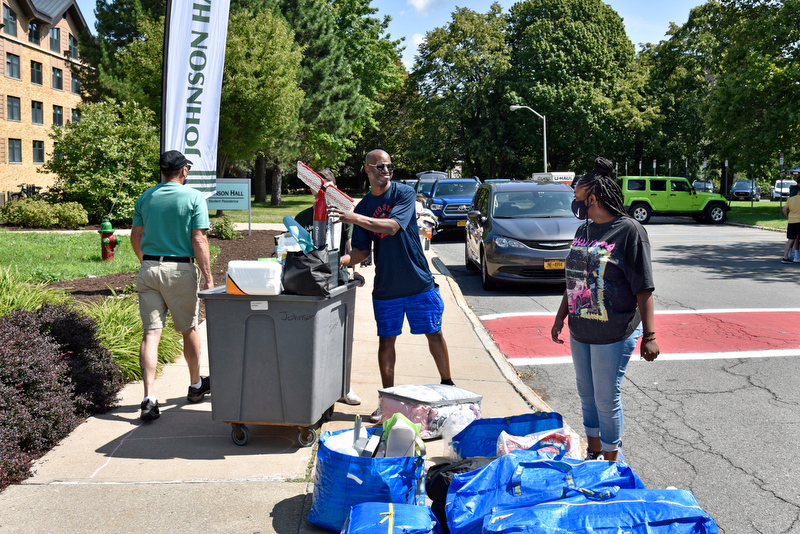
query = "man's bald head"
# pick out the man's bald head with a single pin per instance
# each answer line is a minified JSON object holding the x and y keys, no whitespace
{"x":377,"y":155}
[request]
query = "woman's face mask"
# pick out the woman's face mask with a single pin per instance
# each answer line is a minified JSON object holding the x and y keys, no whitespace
{"x":581,"y":208}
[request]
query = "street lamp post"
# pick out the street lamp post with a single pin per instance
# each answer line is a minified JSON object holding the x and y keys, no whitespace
{"x":544,"y":129}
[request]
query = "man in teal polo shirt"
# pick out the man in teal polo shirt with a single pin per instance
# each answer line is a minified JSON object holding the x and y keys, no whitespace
{"x":170,"y":233}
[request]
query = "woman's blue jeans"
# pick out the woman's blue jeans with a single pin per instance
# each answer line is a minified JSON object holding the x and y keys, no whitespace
{"x":599,"y":370}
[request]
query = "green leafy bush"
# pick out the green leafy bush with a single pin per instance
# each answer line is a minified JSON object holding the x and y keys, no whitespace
{"x":71,"y":215}
{"x":107,"y":158}
{"x":223,"y":228}
{"x":37,"y":213}
{"x":29,"y":213}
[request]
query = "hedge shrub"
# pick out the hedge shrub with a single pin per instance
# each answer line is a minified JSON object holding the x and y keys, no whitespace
{"x":94,"y":374}
{"x":36,"y":408}
{"x":53,"y":373}
{"x":37,"y":213}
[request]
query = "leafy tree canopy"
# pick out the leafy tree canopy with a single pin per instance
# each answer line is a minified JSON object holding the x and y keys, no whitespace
{"x":109,"y":157}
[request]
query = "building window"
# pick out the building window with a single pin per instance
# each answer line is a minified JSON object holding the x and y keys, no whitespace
{"x":15,"y":150}
{"x":10,"y":21}
{"x":58,"y":79}
{"x":38,"y":151}
{"x":58,"y":115}
{"x":12,"y":65}
{"x":37,"y":112}
{"x":76,"y":85}
{"x":76,"y":116}
{"x":55,"y":39}
{"x":36,"y":72}
{"x":13,"y":108}
{"x":34,"y":33}
{"x":73,"y":47}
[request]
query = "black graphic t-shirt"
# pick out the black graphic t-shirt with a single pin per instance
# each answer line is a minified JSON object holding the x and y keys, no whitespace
{"x":607,"y":265}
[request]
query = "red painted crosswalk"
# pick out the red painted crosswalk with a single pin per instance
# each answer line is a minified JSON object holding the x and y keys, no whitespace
{"x":710,"y":333}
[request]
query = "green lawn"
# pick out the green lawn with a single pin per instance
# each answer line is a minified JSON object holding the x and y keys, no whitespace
{"x":53,"y":256}
{"x":766,"y":214}
{"x":262,"y":212}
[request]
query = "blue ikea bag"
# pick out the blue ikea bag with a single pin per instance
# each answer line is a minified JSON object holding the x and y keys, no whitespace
{"x":634,"y":511}
{"x":389,"y":518}
{"x":479,"y":438}
{"x":525,"y":478}
{"x":342,"y":481}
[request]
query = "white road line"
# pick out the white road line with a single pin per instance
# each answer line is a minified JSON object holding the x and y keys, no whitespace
{"x":551,"y":360}
{"x":658,"y":312}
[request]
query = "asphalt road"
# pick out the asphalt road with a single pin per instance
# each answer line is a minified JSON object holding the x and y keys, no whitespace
{"x":726,"y":429}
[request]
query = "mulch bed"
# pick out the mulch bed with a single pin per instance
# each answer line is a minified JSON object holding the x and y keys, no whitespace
{"x":260,"y":244}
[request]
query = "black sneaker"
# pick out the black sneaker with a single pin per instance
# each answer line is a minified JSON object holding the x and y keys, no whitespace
{"x":787,"y":260}
{"x":149,"y":410}
{"x":197,"y":394}
{"x":594,"y":455}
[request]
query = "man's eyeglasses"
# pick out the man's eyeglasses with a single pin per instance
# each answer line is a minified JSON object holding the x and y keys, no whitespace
{"x":382,"y":166}
{"x":188,"y":168}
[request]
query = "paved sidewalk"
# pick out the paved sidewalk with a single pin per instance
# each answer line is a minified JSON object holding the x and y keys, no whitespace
{"x":183,"y":472}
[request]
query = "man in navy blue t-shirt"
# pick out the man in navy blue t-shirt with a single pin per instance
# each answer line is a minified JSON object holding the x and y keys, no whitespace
{"x":385,"y":220}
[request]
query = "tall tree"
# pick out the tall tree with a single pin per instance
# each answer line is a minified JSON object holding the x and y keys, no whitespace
{"x":681,"y":71}
{"x":101,"y":74}
{"x":571,"y":60}
{"x":753,"y":107}
{"x":260,"y":93}
{"x":459,"y":75}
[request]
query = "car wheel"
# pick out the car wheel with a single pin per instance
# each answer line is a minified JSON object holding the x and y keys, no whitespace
{"x":640,"y":212}
{"x":715,"y":213}
{"x":487,"y":281}
{"x":467,"y":261}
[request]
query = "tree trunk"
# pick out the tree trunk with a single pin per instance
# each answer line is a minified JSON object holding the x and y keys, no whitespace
{"x":260,"y":179}
{"x":277,"y":179}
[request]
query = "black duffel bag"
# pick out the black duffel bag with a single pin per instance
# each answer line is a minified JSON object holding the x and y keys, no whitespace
{"x":308,"y":274}
{"x":439,"y":477}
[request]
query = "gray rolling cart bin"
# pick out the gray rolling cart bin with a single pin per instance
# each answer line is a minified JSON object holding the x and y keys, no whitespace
{"x":279,"y":360}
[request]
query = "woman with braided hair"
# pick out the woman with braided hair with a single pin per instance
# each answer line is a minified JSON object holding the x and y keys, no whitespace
{"x":609,"y":303}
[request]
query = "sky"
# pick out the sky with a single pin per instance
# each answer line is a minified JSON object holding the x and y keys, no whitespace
{"x":646,"y":21}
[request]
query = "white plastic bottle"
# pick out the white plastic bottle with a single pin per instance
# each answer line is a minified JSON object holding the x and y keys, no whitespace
{"x":401,"y":440}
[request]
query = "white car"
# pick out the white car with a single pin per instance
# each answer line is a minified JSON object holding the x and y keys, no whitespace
{"x":781,"y":189}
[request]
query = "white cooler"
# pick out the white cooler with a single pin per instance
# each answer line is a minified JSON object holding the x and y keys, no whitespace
{"x":254,"y":277}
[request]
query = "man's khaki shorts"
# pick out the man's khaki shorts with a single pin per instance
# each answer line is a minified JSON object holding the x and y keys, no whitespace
{"x":168,"y":286}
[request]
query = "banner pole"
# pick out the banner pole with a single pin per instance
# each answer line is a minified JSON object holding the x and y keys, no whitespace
{"x":167,"y":18}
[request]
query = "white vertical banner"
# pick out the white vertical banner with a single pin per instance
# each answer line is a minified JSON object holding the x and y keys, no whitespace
{"x":194,"y":56}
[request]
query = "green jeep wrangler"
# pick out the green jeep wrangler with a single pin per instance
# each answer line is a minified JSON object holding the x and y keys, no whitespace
{"x":671,"y":195}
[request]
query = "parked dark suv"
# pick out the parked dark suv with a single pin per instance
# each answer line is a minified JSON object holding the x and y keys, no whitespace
{"x":745,"y":190}
{"x":449,"y":200}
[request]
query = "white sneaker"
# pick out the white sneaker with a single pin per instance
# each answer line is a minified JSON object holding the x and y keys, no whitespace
{"x":351,"y":398}
{"x":797,"y":259}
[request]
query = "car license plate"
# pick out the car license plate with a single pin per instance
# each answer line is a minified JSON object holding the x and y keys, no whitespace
{"x":554,"y":264}
{"x":461,"y":223}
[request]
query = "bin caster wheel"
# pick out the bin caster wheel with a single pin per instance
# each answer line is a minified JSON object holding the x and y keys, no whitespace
{"x":308,"y":438}
{"x":240,"y":435}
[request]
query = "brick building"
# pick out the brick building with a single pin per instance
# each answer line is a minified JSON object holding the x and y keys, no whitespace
{"x":38,"y":41}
